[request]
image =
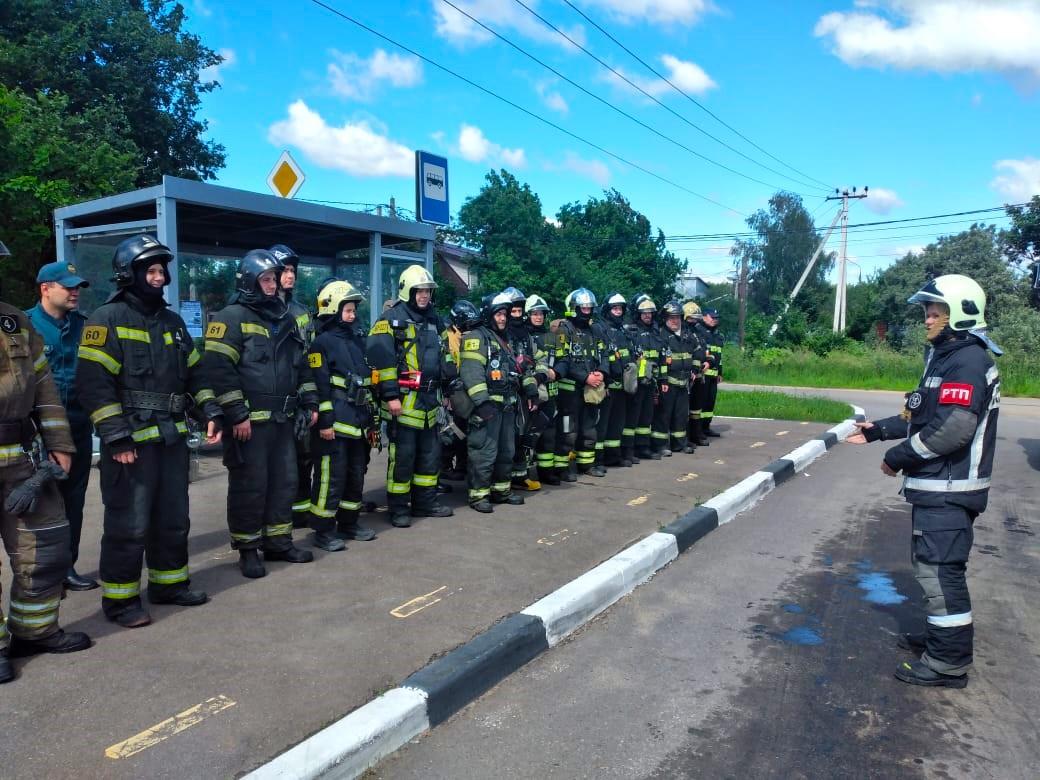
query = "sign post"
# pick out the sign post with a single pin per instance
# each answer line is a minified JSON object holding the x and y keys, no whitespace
{"x":286,"y":178}
{"x":431,"y":189}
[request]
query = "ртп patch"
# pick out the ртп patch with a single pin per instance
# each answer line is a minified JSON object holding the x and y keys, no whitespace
{"x":955,"y":393}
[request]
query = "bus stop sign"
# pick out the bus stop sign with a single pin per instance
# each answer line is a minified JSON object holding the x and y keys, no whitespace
{"x":431,"y":189}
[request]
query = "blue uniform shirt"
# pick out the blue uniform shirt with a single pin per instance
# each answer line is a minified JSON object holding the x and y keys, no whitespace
{"x":61,"y":340}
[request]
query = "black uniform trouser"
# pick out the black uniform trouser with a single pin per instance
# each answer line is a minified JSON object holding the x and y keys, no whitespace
{"x":601,"y":426}
{"x":305,"y":465}
{"x":521,"y":426}
{"x":610,"y":432}
{"x":670,"y":418}
{"x":575,"y":430}
{"x":339,"y":479}
{"x":545,"y":448}
{"x":704,"y":400}
{"x":411,"y":473}
{"x":74,"y":489}
{"x":261,"y":487}
{"x":640,"y":416}
{"x":146,"y":516}
{"x":942,"y":540}
{"x":454,"y":457}
{"x":491,"y":454}
{"x":37,"y":545}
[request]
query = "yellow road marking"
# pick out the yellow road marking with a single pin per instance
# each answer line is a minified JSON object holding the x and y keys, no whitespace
{"x":686,"y":477}
{"x":418,"y":604}
{"x":758,"y":444}
{"x":169,"y":727}
{"x":560,"y":536}
{"x":782,"y":433}
{"x":638,"y":501}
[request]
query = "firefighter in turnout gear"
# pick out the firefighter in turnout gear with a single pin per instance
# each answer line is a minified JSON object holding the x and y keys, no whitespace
{"x":137,"y":375}
{"x":464,"y":317}
{"x":546,"y":342}
{"x":529,"y":420}
{"x":610,"y":434}
{"x":646,"y":345}
{"x":488,"y":371}
{"x":298,"y":311}
{"x":410,"y":363}
{"x":256,"y":365}
{"x":672,"y":414}
{"x":692,"y":315}
{"x":708,"y":333}
{"x":582,"y":386}
{"x":949,"y":432}
{"x":345,"y":418}
{"x":36,"y":533}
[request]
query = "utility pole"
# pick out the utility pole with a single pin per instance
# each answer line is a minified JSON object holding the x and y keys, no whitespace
{"x":743,"y":294}
{"x":840,"y":289}
{"x":805,"y":274}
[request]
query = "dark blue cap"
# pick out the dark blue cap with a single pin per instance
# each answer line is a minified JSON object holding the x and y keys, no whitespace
{"x":710,"y":313}
{"x":62,"y":273}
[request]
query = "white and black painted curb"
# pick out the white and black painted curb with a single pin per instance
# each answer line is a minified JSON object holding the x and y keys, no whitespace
{"x":443,"y":687}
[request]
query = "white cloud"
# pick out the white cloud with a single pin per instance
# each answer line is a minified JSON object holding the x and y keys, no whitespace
{"x":1020,"y":180}
{"x":881,"y":201}
{"x":551,"y":98}
{"x":663,"y":12}
{"x":357,"y":78}
{"x":596,"y":170}
{"x":202,"y":8}
{"x":215,"y":72}
{"x":688,"y":76}
{"x":356,"y":148}
{"x":948,"y":36}
{"x":553,"y":221}
{"x":475,"y":147}
{"x":502,"y":16}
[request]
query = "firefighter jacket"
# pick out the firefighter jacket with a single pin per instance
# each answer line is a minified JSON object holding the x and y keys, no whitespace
{"x":27,"y":392}
{"x":303,"y":318}
{"x":488,"y":367}
{"x":546,"y":345}
{"x":678,"y":357}
{"x":61,"y":345}
{"x":647,"y":345}
{"x":343,"y":378}
{"x":950,"y":425}
{"x":138,"y":373}
{"x":530,"y":364}
{"x":409,"y":360}
{"x":256,"y":364}
{"x":578,"y":354}
{"x":617,"y":348}
{"x":713,"y":341}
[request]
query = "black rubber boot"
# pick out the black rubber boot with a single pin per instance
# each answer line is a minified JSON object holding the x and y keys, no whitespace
{"x":437,"y":510}
{"x":597,"y":471}
{"x":291,"y":554}
{"x":329,"y":541}
{"x":483,"y":505}
{"x":706,"y":428}
{"x":549,"y":477}
{"x":181,"y":598}
{"x":356,"y":531}
{"x":916,"y":673}
{"x":400,"y":520}
{"x":59,"y":642}
{"x":6,"y":670}
{"x":570,"y":474}
{"x":250,"y":564}
{"x":134,"y":617}
{"x":509,"y":498}
{"x":913,"y":642}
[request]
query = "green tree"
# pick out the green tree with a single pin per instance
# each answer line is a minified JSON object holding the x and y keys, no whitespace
{"x":130,"y":59}
{"x":1021,"y":243}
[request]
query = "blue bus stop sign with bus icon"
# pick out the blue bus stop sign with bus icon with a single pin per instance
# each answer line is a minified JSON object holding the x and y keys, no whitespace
{"x":431,"y":189}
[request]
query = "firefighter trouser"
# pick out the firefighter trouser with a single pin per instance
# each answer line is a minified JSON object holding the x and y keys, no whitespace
{"x":74,"y":489}
{"x":261,"y":487}
{"x":491,"y":453}
{"x":522,"y":426}
{"x":545,"y":448}
{"x":639,"y":417}
{"x":305,"y":466}
{"x":610,"y":432}
{"x":704,"y":400}
{"x":453,"y":458}
{"x":942,"y":539}
{"x":575,"y":430}
{"x":37,"y":545}
{"x":671,"y":417}
{"x":339,"y":478}
{"x":146,"y":517}
{"x":411,"y":473}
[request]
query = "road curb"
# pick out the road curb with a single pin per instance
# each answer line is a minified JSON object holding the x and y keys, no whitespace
{"x":444,"y":686}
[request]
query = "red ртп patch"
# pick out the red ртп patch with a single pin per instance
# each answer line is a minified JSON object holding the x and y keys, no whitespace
{"x":952,"y":393}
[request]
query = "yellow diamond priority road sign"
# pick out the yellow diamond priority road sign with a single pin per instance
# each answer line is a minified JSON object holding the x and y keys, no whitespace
{"x":286,"y":178}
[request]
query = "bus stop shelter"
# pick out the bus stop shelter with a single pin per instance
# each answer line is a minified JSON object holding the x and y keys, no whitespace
{"x":210,"y":227}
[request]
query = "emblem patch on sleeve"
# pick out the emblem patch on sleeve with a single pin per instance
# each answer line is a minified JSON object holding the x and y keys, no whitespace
{"x":954,"y":393}
{"x":216,"y":330}
{"x":94,"y":336}
{"x":381,"y":326}
{"x":314,"y":359}
{"x":471,"y":345}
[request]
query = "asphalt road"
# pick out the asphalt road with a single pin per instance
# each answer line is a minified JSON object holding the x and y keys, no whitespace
{"x":767,"y":650}
{"x":217,"y":690}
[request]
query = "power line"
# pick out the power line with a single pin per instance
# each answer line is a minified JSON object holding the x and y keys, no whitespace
{"x":667,"y":108}
{"x":689,"y":97}
{"x":610,"y":105}
{"x":520,"y":108}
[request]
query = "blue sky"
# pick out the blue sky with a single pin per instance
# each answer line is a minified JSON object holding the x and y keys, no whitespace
{"x":932,"y":103}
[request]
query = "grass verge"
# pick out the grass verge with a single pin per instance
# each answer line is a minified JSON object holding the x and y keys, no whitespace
{"x":778,"y":406}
